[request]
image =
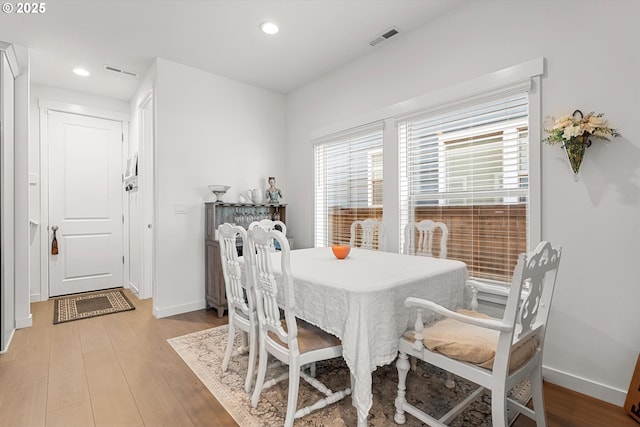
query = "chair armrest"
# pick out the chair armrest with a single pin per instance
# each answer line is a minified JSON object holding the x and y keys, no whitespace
{"x":476,"y":286}
{"x":487,"y":287}
{"x":497,"y":325}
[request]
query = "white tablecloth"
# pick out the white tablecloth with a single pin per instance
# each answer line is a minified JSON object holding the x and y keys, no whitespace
{"x":361,"y":300}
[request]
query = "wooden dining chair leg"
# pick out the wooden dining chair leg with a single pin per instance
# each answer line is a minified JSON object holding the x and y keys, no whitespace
{"x":253,"y":351}
{"x":244,"y":348}
{"x":262,"y":371}
{"x":538,"y":400}
{"x":231,"y":337}
{"x":403,"y":369}
{"x":292,"y":399}
{"x":498,"y":407}
{"x":450,"y":382}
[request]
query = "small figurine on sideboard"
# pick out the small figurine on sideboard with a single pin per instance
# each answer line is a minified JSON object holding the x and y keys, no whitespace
{"x":273,"y":194}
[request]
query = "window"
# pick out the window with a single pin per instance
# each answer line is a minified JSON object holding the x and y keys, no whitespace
{"x":468,"y":167}
{"x":348,"y":182}
{"x":467,"y":155}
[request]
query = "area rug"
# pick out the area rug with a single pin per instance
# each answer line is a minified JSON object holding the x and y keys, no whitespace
{"x":203,"y":352}
{"x":83,"y":306}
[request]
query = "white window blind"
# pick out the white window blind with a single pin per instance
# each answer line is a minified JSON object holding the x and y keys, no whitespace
{"x":468,"y":167}
{"x":348,"y":182}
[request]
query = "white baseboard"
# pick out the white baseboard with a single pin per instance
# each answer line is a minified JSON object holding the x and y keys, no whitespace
{"x":13,"y":331}
{"x":34,"y":298}
{"x":25,"y":322}
{"x":585,"y":386}
{"x":134,"y":288}
{"x":161,"y":312}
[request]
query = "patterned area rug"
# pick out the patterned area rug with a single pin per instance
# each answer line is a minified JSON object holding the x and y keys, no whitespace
{"x":83,"y":306}
{"x":203,"y":352}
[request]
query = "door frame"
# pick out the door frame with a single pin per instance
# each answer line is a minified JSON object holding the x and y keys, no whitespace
{"x":63,"y":107}
{"x":147,"y":159}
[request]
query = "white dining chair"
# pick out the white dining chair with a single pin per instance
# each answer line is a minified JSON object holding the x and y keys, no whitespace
{"x":496,"y":354}
{"x":290,"y":340}
{"x":419,"y":237}
{"x":240,"y":300}
{"x":268,"y":224}
{"x":368,"y":232}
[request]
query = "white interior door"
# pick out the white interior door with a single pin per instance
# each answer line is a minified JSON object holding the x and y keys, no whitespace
{"x":85,"y":203}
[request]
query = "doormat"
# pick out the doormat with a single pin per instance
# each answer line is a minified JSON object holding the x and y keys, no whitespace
{"x":203,"y":352}
{"x":83,"y":306}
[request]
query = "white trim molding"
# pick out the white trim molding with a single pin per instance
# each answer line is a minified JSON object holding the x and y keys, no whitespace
{"x":13,"y":331}
{"x":583,"y":385}
{"x":25,"y":322}
{"x":82,"y":110}
{"x":44,"y":206}
{"x":161,"y":312}
{"x":12,"y":58}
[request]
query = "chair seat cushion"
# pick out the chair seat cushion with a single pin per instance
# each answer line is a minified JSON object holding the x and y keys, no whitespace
{"x":310,"y":337}
{"x":473,"y":344}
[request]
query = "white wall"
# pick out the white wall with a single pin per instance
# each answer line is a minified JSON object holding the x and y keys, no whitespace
{"x":50,"y":94}
{"x":592,"y":64}
{"x":210,"y":130}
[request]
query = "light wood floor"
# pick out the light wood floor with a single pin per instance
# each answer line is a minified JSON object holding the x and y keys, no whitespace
{"x":118,"y":370}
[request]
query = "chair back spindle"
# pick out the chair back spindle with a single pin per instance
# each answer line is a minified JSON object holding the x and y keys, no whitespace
{"x":371,"y":232}
{"x":425,"y":231}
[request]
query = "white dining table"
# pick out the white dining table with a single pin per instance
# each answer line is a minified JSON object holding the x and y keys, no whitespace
{"x":360,"y":299}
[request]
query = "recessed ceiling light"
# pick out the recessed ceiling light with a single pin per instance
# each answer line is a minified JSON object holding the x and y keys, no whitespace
{"x":269,"y":27}
{"x":81,"y":72}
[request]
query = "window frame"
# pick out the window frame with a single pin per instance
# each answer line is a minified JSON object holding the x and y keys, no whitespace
{"x":527,"y":73}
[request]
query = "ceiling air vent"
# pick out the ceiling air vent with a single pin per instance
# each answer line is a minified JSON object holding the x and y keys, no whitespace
{"x":384,"y":36}
{"x":120,"y":70}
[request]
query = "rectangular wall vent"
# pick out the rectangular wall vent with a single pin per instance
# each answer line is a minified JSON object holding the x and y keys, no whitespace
{"x":120,"y":70}
{"x":384,"y":36}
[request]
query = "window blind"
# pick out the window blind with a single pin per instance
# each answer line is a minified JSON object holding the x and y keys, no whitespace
{"x":468,"y":167}
{"x":348,"y":182}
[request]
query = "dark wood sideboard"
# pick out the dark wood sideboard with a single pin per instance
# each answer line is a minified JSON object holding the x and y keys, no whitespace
{"x":217,"y":213}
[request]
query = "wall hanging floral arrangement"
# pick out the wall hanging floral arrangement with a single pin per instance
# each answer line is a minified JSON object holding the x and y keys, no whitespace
{"x":575,"y":132}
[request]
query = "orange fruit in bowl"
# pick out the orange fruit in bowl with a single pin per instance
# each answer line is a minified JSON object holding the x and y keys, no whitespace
{"x":341,"y":251}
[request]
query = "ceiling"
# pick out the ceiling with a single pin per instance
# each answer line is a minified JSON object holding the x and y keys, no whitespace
{"x":219,"y":36}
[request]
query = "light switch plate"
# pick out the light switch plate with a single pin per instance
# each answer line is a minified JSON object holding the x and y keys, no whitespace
{"x":179,"y":210}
